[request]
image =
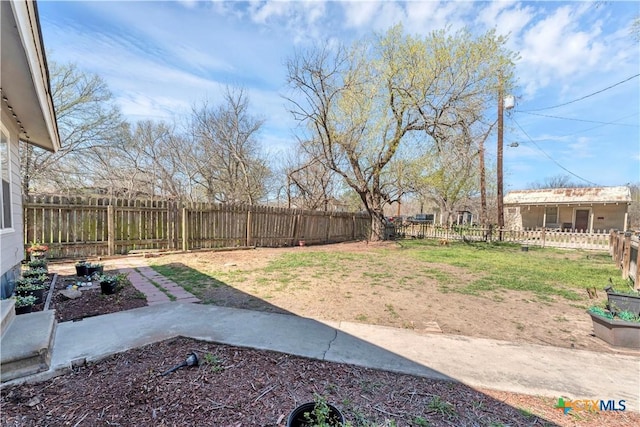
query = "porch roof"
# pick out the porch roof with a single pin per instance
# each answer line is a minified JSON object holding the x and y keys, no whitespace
{"x":557,"y":196}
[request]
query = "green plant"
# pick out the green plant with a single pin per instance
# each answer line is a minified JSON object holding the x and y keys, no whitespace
{"x":26,"y":281}
{"x":600,"y":311}
{"x":214,"y":361}
{"x":109,"y":279}
{"x":23,"y":301}
{"x":321,"y":414}
{"x":29,"y":286}
{"x":38,"y":263}
{"x":420,"y":421}
{"x":622,"y":315}
{"x":34,"y":272}
{"x":82,"y":264}
{"x":442,"y":407}
{"x":628,"y":316}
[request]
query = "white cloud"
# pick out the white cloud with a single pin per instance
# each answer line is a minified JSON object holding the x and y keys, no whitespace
{"x":360,"y":14}
{"x":556,"y":48}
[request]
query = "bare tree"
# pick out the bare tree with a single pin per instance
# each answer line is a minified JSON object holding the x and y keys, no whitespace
{"x":149,"y":161}
{"x":558,"y":181}
{"x":225,"y":152}
{"x":448,"y":176}
{"x":87,"y":119}
{"x":359,"y":104}
{"x":309,"y":184}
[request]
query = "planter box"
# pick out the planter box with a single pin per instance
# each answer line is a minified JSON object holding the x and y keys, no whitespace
{"x":616,"y":332}
{"x":624,"y":302}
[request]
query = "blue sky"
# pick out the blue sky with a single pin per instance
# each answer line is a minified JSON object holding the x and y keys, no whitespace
{"x":160,"y":58}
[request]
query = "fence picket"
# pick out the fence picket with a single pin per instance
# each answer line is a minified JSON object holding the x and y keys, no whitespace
{"x":83,"y":227}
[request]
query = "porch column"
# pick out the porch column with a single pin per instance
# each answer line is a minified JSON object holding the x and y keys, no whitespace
{"x":544,"y":217}
{"x":591,"y":222}
{"x":626,"y":218}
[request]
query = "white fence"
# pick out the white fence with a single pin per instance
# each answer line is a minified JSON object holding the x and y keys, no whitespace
{"x":598,"y":240}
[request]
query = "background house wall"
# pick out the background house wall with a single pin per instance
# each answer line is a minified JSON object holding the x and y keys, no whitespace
{"x":11,"y":239}
{"x":605,"y":217}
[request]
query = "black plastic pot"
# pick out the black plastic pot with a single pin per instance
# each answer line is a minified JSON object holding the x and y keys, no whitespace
{"x":38,"y":293}
{"x":297,"y":418}
{"x":93,"y":270}
{"x":24,"y":309}
{"x":108,"y":288}
{"x":81,"y":270}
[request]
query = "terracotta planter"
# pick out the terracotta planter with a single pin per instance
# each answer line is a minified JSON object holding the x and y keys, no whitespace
{"x":616,"y":332}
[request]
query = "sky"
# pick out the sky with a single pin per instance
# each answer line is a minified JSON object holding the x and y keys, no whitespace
{"x":577,"y":110}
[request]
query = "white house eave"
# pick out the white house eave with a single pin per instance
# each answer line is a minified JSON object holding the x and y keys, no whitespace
{"x":25,"y":80}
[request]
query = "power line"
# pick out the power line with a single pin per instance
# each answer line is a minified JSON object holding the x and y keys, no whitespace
{"x":551,"y":158}
{"x":584,"y":97}
{"x":579,"y":120}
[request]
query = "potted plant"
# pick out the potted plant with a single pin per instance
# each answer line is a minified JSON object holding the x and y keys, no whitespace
{"x":30,"y":288}
{"x":40,"y":263}
{"x":24,"y":304}
{"x":618,"y":328}
{"x":94,"y":268}
{"x":34,"y":272}
{"x":81,"y":268}
{"x":37,"y":250}
{"x":318,"y":413}
{"x":108,"y":283}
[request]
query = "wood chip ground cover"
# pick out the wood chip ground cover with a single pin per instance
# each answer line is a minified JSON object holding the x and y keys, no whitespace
{"x":236,"y":386}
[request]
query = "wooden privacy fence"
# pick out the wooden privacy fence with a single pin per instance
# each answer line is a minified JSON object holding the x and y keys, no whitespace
{"x":540,"y":237}
{"x":624,"y":248}
{"x":81,"y":227}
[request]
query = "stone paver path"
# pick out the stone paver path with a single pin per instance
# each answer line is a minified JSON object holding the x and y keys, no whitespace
{"x":144,"y":279}
{"x":148,"y":281}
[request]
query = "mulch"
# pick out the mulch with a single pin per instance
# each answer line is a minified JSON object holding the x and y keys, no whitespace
{"x":234,"y":386}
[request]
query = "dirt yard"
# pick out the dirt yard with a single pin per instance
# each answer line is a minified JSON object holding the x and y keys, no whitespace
{"x":244,"y":387}
{"x":355,"y":285}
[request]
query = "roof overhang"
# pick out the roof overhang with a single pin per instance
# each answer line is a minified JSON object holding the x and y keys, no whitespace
{"x":24,"y":75}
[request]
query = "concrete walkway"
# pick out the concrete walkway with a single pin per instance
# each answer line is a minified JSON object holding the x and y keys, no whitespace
{"x":500,"y":365}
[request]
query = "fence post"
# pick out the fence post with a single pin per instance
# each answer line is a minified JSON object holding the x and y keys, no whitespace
{"x":248,"y":241}
{"x":111,"y":229}
{"x":626,"y":254}
{"x":636,"y":280}
{"x":185,"y":230}
{"x":543,"y":236}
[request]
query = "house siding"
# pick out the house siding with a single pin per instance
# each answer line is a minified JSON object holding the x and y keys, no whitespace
{"x":11,"y":242}
{"x":605,"y":217}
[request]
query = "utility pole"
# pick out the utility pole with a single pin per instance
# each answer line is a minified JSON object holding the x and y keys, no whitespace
{"x":483,"y":186}
{"x":501,"y":107}
{"x":499,"y":160}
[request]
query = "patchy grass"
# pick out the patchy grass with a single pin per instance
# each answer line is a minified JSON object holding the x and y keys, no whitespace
{"x":504,"y":266}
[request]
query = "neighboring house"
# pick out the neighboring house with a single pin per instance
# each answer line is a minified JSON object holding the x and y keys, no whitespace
{"x":582,"y":209}
{"x":27,"y":116}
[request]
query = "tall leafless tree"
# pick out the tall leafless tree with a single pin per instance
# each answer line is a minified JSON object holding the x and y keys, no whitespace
{"x":87,"y":120}
{"x":225,"y":152}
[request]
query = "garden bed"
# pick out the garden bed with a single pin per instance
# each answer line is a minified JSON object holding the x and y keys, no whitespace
{"x":236,"y":386}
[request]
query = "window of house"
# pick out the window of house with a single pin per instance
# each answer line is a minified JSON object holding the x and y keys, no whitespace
{"x":552,"y":214}
{"x":5,"y":194}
